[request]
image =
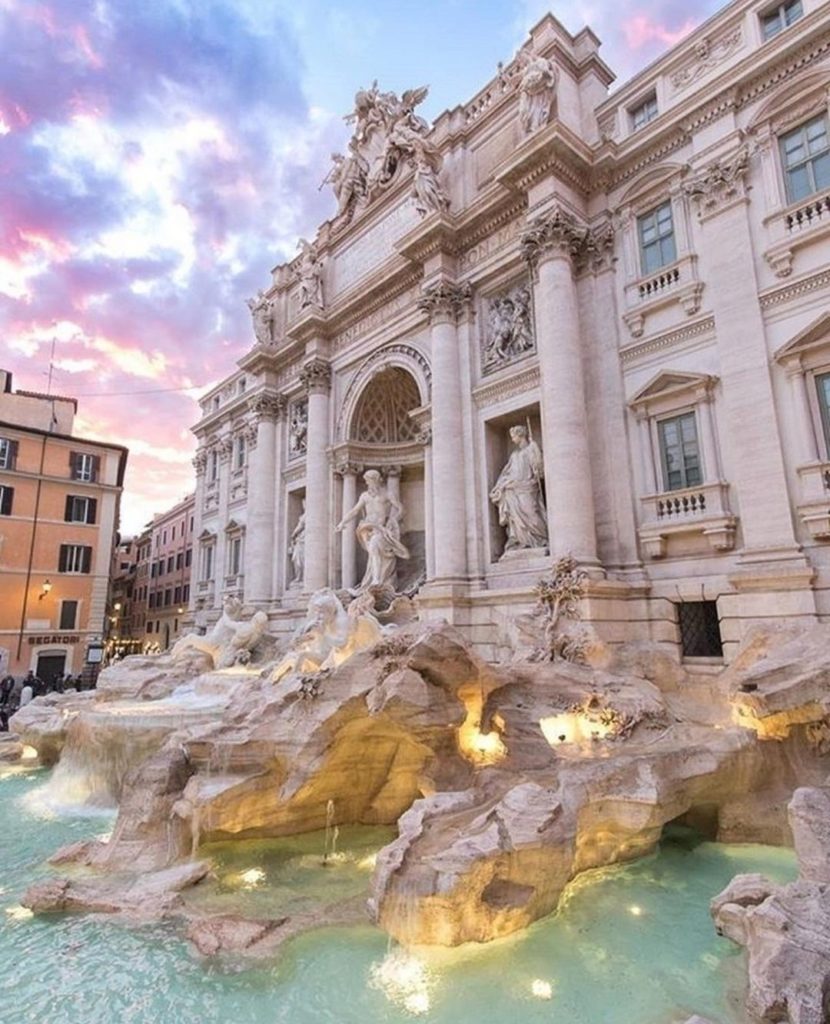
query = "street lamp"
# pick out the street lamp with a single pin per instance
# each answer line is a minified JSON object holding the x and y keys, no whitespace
{"x":45,"y":587}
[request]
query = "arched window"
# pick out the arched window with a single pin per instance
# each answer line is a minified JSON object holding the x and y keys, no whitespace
{"x":382,"y":412}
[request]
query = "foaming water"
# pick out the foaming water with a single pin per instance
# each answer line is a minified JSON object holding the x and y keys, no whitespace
{"x":632,"y":945}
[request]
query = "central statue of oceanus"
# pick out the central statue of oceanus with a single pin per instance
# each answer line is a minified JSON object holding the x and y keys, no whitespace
{"x":379,"y":532}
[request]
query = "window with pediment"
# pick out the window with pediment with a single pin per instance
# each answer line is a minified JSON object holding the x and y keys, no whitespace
{"x":382,"y":414}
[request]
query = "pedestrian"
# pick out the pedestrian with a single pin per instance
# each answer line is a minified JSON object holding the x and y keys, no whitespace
{"x":35,"y":683}
{"x":6,"y":689}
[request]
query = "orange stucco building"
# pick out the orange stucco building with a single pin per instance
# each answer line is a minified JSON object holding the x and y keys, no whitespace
{"x":59,"y":505}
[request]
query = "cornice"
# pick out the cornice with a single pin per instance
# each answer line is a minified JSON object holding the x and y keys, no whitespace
{"x":793,"y":289}
{"x":667,"y":340}
{"x":505,"y":386}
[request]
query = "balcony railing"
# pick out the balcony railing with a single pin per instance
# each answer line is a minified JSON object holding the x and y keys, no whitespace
{"x":660,"y":283}
{"x":814,"y":211}
{"x":703,"y":509}
{"x":814,"y":499}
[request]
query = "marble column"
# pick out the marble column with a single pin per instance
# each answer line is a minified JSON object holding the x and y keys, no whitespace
{"x":443,"y":302}
{"x":224,"y":448}
{"x":348,"y":538}
{"x":316,"y":379}
{"x":262,"y":473}
{"x":552,"y":243}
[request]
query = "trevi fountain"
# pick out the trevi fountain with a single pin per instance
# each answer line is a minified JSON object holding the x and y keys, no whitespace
{"x":441,"y":756}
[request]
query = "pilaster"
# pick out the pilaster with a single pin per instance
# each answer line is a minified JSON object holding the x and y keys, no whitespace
{"x":315,"y":377}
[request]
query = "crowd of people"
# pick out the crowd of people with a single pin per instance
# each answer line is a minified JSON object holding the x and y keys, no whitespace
{"x":17,"y":692}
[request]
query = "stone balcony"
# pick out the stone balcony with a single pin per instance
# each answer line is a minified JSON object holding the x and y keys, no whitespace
{"x":814,"y":503}
{"x":702,"y":510}
{"x":676,"y":283}
{"x":795,"y":227}
{"x":234,"y":583}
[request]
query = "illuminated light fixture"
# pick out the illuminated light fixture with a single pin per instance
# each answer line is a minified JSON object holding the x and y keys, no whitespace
{"x":541,"y":989}
{"x":180,"y":611}
{"x":635,"y":910}
{"x":46,"y":586}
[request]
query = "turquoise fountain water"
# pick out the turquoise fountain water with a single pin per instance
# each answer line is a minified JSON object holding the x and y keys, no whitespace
{"x":632,"y":945}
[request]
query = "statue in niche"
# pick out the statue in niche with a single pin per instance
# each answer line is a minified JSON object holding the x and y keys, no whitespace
{"x":328,"y":637}
{"x":518,"y":494}
{"x":310,"y":275}
{"x":297,"y":550}
{"x":509,"y":328}
{"x":298,"y":429}
{"x":378,"y":532}
{"x":537,"y":88}
{"x":261,"y":312}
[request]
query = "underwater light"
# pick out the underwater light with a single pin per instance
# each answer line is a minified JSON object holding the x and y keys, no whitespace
{"x":542,"y":989}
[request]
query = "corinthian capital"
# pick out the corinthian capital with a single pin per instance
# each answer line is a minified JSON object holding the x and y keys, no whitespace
{"x":316,"y":376}
{"x":598,"y":250}
{"x":719,"y":183}
{"x":556,"y":232}
{"x":445,"y":300}
{"x":200,"y":461}
{"x":266,"y":407}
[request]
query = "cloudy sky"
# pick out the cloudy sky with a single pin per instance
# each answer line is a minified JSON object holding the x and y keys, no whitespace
{"x":158,"y":157}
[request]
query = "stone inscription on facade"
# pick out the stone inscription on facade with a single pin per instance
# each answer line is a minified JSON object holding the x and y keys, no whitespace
{"x":372,"y":248}
{"x":491,"y":244}
{"x":377,"y":317}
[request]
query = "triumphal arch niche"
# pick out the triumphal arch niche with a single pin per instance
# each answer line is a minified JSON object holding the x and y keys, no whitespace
{"x":380,"y":451}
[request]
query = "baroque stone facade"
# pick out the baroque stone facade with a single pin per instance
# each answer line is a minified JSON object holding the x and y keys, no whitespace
{"x":639,"y":281}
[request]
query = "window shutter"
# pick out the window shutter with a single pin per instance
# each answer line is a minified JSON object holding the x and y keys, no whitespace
{"x":86,"y":559}
{"x":96,"y":466}
{"x":63,"y":556}
{"x":73,"y":465}
{"x":13,"y":454}
{"x":67,"y":514}
{"x":6,"y":496}
{"x":91,"y":510}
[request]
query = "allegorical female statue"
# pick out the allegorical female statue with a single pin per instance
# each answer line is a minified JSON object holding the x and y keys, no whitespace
{"x":379,"y":532}
{"x":297,"y":550}
{"x":518,"y":494}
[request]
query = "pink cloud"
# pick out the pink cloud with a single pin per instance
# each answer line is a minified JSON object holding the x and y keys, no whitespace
{"x":640,"y":30}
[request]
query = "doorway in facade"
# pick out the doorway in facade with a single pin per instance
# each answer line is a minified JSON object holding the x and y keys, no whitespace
{"x":49,"y":666}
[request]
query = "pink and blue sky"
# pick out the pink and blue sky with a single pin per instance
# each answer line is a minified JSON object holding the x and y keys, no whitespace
{"x":157,"y":158}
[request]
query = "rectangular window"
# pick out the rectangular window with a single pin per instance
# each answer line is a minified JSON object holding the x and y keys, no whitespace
{"x":179,"y":560}
{"x":186,"y":592}
{"x":168,"y":597}
{"x":188,"y":557}
{"x":8,"y":453}
{"x":213,"y":474}
{"x":191,"y":524}
{"x":177,"y":595}
{"x":656,"y":230}
{"x":207,"y":563}
{"x":679,"y":452}
{"x":6,"y":500}
{"x":75,"y":558}
{"x":170,"y":563}
{"x":235,"y":557}
{"x":69,"y":615}
{"x":80,"y":510}
{"x":84,"y":467}
{"x":240,"y":453}
{"x":699,"y":629}
{"x":805,"y":155}
{"x":823,"y":386}
{"x":644,"y":112}
{"x":780,"y":17}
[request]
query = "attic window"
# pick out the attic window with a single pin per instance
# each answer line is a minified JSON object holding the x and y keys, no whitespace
{"x":645,"y":111}
{"x":778,"y":18}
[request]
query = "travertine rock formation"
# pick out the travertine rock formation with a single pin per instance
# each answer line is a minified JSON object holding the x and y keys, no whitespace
{"x":786,"y":929}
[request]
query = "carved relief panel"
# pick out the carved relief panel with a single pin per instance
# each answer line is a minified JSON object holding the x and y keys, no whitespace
{"x":297,"y":428}
{"x":508,"y":332}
